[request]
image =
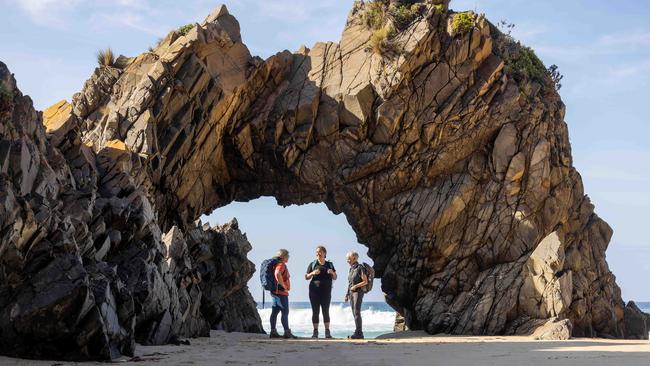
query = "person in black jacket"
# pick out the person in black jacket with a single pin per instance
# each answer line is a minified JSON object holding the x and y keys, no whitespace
{"x":321,"y":272}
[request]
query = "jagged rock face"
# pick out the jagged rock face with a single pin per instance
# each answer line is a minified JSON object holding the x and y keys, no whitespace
{"x":453,"y":168}
{"x":454,"y":171}
{"x":84,"y":272}
{"x":215,"y":259}
{"x":53,"y":304}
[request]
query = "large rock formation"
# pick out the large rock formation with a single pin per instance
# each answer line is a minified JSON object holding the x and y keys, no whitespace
{"x":84,"y":272}
{"x":443,"y":143}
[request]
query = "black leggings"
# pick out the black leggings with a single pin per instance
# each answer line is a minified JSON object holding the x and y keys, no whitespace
{"x":320,"y":298}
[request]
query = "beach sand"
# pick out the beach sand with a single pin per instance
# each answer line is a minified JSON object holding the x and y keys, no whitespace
{"x":406,"y":348}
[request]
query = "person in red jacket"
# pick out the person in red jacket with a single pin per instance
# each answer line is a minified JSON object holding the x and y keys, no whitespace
{"x":280,"y":296}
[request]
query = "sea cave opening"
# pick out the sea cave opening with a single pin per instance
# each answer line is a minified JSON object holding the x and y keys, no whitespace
{"x":299,"y":229}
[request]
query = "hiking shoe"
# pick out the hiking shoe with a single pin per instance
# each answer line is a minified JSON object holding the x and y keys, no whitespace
{"x":356,"y":336}
{"x":315,"y":335}
{"x":274,"y":334}
{"x":289,"y":335}
{"x":327,"y":334}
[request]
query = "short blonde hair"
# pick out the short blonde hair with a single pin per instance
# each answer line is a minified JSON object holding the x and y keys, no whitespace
{"x":282,"y":253}
{"x":352,"y":255}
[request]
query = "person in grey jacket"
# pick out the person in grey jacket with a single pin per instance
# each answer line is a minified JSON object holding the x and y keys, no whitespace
{"x":357,"y":281}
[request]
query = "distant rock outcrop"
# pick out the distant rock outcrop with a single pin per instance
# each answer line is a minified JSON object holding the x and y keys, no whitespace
{"x":441,"y":139}
{"x":636,"y":322}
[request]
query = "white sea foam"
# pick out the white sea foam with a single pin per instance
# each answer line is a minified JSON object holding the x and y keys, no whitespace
{"x":375,"y":322}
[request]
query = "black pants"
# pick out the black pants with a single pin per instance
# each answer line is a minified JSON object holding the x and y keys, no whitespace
{"x":320,"y":298}
{"x":356,"y":298}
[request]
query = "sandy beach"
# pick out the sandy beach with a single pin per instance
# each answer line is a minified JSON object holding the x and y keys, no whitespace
{"x":407,"y":348}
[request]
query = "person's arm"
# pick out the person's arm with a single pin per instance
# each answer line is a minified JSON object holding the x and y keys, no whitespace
{"x":288,"y":281}
{"x":279,"y":279}
{"x":332,"y":272}
{"x":364,"y":281}
{"x":309,"y":275}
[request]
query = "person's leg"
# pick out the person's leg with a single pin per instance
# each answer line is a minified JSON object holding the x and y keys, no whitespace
{"x":275,"y":310}
{"x":357,"y":299}
{"x":284,"y":318}
{"x":325,"y":304}
{"x":274,"y":316}
{"x":326,"y":298}
{"x":314,"y":300}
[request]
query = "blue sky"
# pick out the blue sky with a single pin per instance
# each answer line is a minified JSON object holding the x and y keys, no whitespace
{"x":602,"y":47}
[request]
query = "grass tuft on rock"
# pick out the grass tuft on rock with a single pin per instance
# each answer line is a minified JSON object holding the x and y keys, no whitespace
{"x":380,"y":41}
{"x":105,"y":57}
{"x":385,"y":18}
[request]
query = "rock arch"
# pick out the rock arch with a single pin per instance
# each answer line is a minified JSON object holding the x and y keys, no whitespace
{"x":451,"y":165}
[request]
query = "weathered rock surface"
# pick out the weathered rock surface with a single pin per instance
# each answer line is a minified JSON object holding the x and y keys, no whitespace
{"x":451,"y":164}
{"x":636,"y":322}
{"x":84,"y":272}
{"x":400,"y":323}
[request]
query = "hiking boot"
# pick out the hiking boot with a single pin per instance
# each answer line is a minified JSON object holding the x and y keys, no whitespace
{"x":327,"y":334}
{"x":274,"y":334}
{"x":289,"y":335}
{"x":315,"y":335}
{"x":356,"y":336}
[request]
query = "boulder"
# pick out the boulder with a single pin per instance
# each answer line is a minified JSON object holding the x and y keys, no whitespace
{"x":636,"y":322}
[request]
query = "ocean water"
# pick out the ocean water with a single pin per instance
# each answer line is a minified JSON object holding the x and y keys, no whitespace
{"x":378,"y":318}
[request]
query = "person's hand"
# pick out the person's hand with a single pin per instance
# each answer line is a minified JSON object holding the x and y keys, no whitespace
{"x":347,"y":298}
{"x":330,"y":272}
{"x":315,"y":272}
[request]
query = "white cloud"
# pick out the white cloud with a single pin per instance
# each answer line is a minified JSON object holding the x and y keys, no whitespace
{"x":131,"y":20}
{"x":637,"y":39}
{"x":135,"y":4}
{"x":48,"y":12}
{"x":58,"y":13}
{"x":630,"y":69}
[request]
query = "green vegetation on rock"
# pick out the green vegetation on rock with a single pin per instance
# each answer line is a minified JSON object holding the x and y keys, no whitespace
{"x":385,"y":18}
{"x":521,"y":61}
{"x":5,"y":94}
{"x":527,"y":65}
{"x":404,"y":15}
{"x":185,"y":29}
{"x":380,"y":39}
{"x":462,"y":23}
